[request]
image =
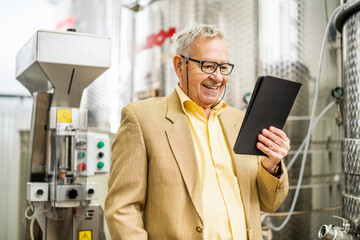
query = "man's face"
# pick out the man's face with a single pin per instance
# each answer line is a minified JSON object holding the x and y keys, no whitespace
{"x":205,"y":88}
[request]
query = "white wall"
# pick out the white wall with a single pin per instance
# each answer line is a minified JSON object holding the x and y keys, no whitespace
{"x":20,"y":19}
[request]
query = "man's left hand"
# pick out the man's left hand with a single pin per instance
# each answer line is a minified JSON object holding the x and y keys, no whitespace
{"x":275,"y":144}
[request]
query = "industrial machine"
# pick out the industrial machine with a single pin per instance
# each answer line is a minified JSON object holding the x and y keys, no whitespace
{"x":56,"y":67}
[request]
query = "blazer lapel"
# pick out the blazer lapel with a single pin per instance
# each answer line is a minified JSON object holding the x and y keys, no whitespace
{"x":231,"y":129}
{"x":182,"y":146}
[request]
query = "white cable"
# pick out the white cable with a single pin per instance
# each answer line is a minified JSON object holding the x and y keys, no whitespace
{"x":297,"y":153}
{"x":32,"y":208}
{"x":32,"y":229}
{"x":302,"y":168}
{"x":263,"y":217}
{"x":36,"y":212}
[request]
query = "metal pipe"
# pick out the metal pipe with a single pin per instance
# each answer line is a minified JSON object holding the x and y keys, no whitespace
{"x":49,"y":153}
{"x":64,"y":155}
{"x":344,"y":13}
{"x":339,"y":64}
{"x":72,"y":152}
{"x":331,"y":232}
{"x":326,"y":232}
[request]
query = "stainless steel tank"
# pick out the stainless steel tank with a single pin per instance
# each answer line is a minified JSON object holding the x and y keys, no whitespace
{"x":351,"y":142}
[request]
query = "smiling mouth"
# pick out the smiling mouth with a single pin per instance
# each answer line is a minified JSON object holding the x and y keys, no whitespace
{"x":211,"y":87}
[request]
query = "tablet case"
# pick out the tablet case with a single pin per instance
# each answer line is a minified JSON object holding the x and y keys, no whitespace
{"x":270,"y":105}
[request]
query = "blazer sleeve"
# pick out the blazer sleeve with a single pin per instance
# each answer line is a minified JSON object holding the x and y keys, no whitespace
{"x":272,"y":190}
{"x":127,"y":181}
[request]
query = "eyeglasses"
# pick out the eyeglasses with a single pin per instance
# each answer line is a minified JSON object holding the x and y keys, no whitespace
{"x":211,"y":66}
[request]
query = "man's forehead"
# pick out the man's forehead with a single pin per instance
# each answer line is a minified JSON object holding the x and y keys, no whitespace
{"x":213,"y":49}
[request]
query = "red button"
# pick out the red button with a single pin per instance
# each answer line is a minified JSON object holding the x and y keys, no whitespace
{"x":81,"y":166}
{"x":198,"y":229}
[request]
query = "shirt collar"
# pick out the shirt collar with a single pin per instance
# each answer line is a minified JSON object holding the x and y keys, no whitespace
{"x":187,"y":103}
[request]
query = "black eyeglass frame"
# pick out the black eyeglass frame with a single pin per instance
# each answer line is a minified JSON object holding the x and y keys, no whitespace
{"x":217,"y":65}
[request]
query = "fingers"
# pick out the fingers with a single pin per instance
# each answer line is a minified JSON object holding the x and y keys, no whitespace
{"x":281,"y":134}
{"x":275,"y":139}
{"x":274,"y":155}
{"x":274,"y":143}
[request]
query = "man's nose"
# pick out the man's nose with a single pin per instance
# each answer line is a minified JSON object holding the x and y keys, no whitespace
{"x":217,"y":75}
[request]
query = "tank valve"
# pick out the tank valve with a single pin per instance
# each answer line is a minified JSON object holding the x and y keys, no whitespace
{"x":331,"y":232}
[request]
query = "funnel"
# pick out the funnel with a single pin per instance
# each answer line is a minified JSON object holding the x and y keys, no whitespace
{"x":62,"y":62}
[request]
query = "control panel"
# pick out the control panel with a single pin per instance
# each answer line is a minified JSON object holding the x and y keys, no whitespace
{"x":95,"y":159}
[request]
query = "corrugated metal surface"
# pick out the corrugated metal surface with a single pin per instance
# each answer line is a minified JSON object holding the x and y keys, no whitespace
{"x":351,"y":157}
{"x":239,"y":21}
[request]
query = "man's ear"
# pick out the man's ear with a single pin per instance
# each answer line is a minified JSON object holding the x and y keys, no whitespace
{"x":177,"y":62}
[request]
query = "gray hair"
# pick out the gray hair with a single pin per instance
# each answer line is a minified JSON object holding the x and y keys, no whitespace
{"x":185,"y":38}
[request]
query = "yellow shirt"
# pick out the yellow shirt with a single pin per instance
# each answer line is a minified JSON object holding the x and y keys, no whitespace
{"x":224,"y":216}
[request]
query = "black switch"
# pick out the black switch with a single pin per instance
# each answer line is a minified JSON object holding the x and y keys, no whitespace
{"x":72,"y":194}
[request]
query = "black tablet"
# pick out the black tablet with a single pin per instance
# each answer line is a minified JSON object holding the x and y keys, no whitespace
{"x":270,"y":105}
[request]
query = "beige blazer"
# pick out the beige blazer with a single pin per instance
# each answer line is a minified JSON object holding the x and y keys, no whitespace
{"x":154,"y":188}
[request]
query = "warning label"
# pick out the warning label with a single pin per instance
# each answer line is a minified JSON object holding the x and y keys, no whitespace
{"x":85,"y":235}
{"x":64,"y":115}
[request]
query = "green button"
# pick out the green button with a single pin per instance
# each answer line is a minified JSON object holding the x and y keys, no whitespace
{"x":100,"y":144}
{"x":81,"y":154}
{"x":100,"y":164}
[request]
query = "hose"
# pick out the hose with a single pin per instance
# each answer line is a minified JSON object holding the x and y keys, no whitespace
{"x":297,"y":153}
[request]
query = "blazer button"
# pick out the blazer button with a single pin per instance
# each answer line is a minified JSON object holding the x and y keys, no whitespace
{"x":199,"y":229}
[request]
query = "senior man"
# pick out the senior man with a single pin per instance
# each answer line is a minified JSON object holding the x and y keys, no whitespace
{"x":174,"y":174}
